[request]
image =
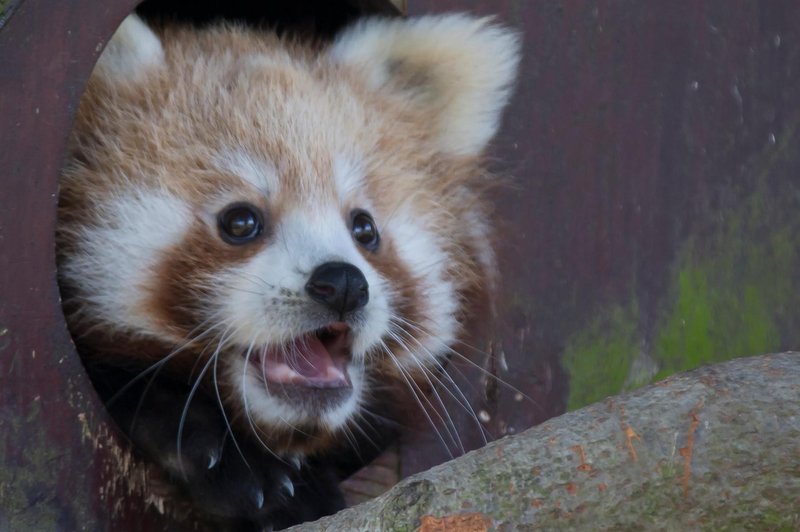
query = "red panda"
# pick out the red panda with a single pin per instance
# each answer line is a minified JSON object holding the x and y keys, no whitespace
{"x":261,"y":236}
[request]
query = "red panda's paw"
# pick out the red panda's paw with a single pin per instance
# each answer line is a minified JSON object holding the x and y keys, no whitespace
{"x":239,"y":483}
{"x":247,"y":488}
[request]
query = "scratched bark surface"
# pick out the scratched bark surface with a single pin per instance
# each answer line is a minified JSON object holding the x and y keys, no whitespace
{"x":717,"y":448}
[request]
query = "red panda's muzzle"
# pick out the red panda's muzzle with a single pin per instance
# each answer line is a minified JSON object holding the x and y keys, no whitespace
{"x":316,"y":360}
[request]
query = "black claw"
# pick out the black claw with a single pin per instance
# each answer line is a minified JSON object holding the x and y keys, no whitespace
{"x":287,"y":486}
{"x":213,"y":460}
{"x":258,"y":498}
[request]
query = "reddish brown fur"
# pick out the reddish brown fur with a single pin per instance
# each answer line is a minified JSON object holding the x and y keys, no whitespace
{"x":165,"y":132}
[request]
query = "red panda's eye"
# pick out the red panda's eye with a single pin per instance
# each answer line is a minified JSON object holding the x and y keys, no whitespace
{"x":364,"y":230}
{"x":240,"y":223}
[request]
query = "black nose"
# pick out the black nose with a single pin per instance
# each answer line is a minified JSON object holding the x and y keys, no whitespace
{"x":339,"y":286}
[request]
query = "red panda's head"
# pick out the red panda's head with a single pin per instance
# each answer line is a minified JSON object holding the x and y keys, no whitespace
{"x":304,"y":222}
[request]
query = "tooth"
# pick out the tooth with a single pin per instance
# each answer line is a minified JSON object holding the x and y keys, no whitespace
{"x":294,"y":461}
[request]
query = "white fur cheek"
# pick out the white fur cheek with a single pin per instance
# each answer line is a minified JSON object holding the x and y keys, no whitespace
{"x":423,"y":253}
{"x":259,"y":299}
{"x":114,"y":266}
{"x":371,"y":332}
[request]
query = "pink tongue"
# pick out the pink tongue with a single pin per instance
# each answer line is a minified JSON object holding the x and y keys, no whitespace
{"x":304,"y":362}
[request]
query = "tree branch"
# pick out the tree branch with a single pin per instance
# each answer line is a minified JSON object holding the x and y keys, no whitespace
{"x":715,"y":448}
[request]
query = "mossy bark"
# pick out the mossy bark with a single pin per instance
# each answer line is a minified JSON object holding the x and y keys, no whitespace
{"x":717,"y":448}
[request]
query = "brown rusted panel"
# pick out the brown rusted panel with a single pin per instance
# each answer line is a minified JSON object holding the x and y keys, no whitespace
{"x":649,"y":149}
{"x":60,"y":460}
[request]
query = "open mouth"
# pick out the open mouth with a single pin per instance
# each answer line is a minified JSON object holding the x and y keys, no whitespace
{"x":317,"y":359}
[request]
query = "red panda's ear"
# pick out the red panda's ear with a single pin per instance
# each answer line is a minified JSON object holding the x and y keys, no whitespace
{"x":460,"y":68}
{"x":133,"y":50}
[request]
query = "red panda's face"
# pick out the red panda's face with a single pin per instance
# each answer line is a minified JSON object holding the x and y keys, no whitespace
{"x":298,"y":226}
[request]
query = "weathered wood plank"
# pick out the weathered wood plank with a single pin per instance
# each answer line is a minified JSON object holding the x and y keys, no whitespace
{"x":652,"y":220}
{"x":61,"y":465}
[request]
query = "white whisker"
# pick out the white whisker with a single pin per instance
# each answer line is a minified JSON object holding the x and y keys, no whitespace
{"x":462,"y":400}
{"x":182,"y":422}
{"x":484,"y":371}
{"x":253,"y":427}
{"x":449,"y":424}
{"x":413,"y":388}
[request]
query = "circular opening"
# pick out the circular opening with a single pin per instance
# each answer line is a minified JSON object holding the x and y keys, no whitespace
{"x":318,"y":18}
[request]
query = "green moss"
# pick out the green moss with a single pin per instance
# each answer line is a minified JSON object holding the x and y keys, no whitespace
{"x":732,"y":293}
{"x":730,"y":298}
{"x":685,"y":336}
{"x":599,"y":357}
{"x":4,"y":4}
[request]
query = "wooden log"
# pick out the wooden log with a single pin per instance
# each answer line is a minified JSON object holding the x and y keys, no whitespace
{"x":716,"y":448}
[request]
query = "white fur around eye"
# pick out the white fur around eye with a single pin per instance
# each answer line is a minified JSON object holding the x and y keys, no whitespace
{"x":265,"y":297}
{"x":256,"y":171}
{"x":113,"y":268}
{"x":349,"y":178}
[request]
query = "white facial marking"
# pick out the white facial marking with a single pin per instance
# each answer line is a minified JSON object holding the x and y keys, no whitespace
{"x":421,"y":250}
{"x":256,"y":171}
{"x":266,"y":296}
{"x":266,"y":299}
{"x":349,"y":177}
{"x":113,"y":266}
